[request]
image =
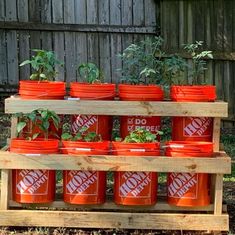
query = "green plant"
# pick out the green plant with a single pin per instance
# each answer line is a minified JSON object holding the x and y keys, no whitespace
{"x":41,"y":119}
{"x":44,"y":65}
{"x":90,"y":73}
{"x":198,"y":66}
{"x":82,"y":135}
{"x":140,"y":63}
{"x":141,"y":136}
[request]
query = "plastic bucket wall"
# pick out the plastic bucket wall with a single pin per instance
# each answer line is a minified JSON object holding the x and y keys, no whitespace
{"x":192,"y":128}
{"x":139,"y":93}
{"x":33,"y":186}
{"x":135,"y":188}
{"x":100,"y":124}
{"x":188,"y":189}
{"x":84,"y":187}
{"x":42,"y":90}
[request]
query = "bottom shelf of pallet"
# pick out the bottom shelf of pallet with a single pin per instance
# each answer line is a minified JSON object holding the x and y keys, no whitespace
{"x":125,"y":220}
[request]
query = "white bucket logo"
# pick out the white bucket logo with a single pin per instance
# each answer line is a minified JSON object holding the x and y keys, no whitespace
{"x":134,"y":183}
{"x":83,"y":121}
{"x":181,"y":183}
{"x":31,"y":181}
{"x":134,"y":123}
{"x":81,"y":181}
{"x":197,"y":126}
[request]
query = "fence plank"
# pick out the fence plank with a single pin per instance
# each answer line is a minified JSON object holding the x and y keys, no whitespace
{"x":69,"y":7}
{"x":103,"y":7}
{"x":92,"y":12}
{"x":34,"y":12}
{"x":24,"y":54}
{"x":12,"y":58}
{"x":59,"y":51}
{"x":57,"y":11}
{"x":70,"y":65}
{"x":23,"y":10}
{"x":80,"y":12}
{"x":138,"y":12}
{"x":150,"y":12}
{"x":46,"y":38}
{"x":11,"y":14}
{"x":93,"y":48}
{"x":2,"y":10}
{"x":3,"y":55}
{"x":46,"y":13}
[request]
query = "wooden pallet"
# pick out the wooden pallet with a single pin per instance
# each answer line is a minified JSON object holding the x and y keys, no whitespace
{"x":109,"y":215}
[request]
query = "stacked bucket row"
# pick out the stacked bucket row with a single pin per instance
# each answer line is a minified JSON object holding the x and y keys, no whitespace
{"x":130,"y":188}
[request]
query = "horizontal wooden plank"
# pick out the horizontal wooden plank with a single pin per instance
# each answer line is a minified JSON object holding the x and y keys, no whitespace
{"x":219,"y":164}
{"x":78,"y":27}
{"x":109,"y":205}
{"x":165,"y":108}
{"x":79,"y":219}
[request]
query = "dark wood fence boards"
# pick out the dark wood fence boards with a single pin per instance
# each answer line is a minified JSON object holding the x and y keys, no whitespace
{"x":97,"y":30}
{"x":212,"y":22}
{"x":77,"y":30}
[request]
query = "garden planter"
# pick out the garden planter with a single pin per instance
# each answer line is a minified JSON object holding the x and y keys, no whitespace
{"x":84,"y":187}
{"x":188,"y":189}
{"x":42,"y":90}
{"x":139,"y":93}
{"x":135,"y":188}
{"x":192,"y":128}
{"x":100,"y":124}
{"x":33,"y":186}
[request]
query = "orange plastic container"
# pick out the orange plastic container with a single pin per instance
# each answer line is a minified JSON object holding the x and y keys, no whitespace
{"x":135,"y":188}
{"x":84,"y":187}
{"x":188,"y":189}
{"x":192,"y":128}
{"x":139,"y":93}
{"x":42,"y":90}
{"x":100,"y":124}
{"x":33,"y":186}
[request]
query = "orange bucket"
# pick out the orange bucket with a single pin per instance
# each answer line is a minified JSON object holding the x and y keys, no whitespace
{"x":96,"y":123}
{"x":33,"y":186}
{"x":188,"y":189}
{"x":135,"y":188}
{"x":42,"y":90}
{"x":192,"y":128}
{"x":84,"y":187}
{"x":139,"y":93}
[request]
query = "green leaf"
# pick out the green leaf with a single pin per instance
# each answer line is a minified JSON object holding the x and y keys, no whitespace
{"x":20,"y":126}
{"x":25,"y":62}
{"x":35,"y":136}
{"x":66,"y":136}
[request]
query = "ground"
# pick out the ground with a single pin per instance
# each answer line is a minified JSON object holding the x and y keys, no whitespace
{"x":227,"y":138}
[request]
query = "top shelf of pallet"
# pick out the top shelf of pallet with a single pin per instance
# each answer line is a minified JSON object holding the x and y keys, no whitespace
{"x":123,"y":108}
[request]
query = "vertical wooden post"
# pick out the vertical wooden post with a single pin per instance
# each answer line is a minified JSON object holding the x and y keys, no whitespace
{"x":218,"y":178}
{"x":6,"y":174}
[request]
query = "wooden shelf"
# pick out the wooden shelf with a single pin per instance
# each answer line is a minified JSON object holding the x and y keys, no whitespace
{"x":124,"y":108}
{"x":220,"y":163}
{"x":127,"y":220}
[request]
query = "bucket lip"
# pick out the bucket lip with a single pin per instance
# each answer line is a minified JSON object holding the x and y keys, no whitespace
{"x":84,"y":142}
{"x":188,"y":143}
{"x":38,"y":140}
{"x":86,"y":84}
{"x":192,"y":86}
{"x":139,"y":86}
{"x":134,"y":145}
{"x":41,"y":82}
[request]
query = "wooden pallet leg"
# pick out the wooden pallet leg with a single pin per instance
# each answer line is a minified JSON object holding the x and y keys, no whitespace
{"x":5,"y":179}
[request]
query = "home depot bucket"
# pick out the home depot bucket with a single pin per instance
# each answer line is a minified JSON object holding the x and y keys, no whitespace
{"x":84,"y":187}
{"x":139,"y":93}
{"x":192,"y":128}
{"x":33,"y":186}
{"x":135,"y":188}
{"x":100,"y":124}
{"x":188,"y":189}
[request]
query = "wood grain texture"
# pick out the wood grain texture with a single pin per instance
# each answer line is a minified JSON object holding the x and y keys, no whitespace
{"x":114,"y":220}
{"x":202,"y":109}
{"x":5,"y":178}
{"x":218,"y":195}
{"x":116,"y":163}
{"x":110,"y":205}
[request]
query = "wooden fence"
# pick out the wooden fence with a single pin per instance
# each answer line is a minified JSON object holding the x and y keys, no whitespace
{"x":97,"y":30}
